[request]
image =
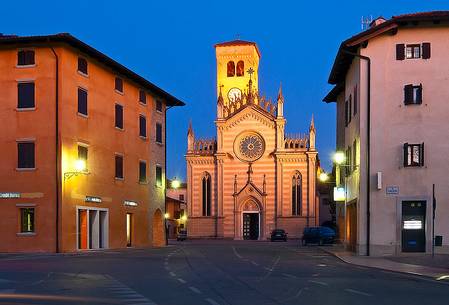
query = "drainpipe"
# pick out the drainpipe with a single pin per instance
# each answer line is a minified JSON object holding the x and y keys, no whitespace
{"x":368,"y":153}
{"x":57,"y":150}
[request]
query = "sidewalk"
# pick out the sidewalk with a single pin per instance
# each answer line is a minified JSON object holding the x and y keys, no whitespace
{"x":390,"y":264}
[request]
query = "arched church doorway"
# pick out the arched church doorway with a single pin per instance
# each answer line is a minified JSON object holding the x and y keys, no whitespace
{"x":251,"y":220}
{"x":158,"y":229}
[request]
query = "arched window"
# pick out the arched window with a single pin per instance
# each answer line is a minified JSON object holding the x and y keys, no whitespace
{"x":206,"y":194}
{"x":296,"y":194}
{"x":240,"y":68}
{"x":231,"y":68}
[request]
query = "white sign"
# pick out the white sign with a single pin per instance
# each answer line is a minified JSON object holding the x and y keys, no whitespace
{"x":392,"y":190}
{"x":93,"y":199}
{"x":129,"y":203}
{"x":9,"y":195}
{"x":412,"y":224}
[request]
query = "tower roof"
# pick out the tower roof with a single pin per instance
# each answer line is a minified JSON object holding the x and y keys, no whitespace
{"x":238,"y":42}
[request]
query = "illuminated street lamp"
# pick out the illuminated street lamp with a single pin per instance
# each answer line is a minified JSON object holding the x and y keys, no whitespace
{"x":79,"y":168}
{"x":323,"y":177}
{"x":175,"y":183}
{"x":184,"y":217}
{"x":166,"y":215}
{"x":339,"y":157}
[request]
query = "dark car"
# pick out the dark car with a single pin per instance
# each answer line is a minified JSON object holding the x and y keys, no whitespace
{"x":278,"y":234}
{"x":182,"y":235}
{"x":318,"y":235}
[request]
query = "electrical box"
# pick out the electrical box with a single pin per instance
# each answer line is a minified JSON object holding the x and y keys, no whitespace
{"x":379,"y":180}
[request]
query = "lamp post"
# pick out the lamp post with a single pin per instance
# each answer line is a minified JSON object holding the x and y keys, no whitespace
{"x":166,"y":216}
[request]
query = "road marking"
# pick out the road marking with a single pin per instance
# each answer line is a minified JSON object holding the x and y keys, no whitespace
{"x":290,"y":275}
{"x":315,"y":274}
{"x":212,"y":301}
{"x":172,"y":273}
{"x":321,"y":265}
{"x":182,"y":281}
{"x":359,"y":292}
{"x":235,"y":252}
{"x":194,"y":289}
{"x":319,"y":283}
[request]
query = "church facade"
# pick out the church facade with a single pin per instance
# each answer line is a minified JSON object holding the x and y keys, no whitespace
{"x":251,"y":178}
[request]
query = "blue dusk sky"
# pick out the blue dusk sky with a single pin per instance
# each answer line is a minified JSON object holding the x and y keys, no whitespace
{"x":171,"y":44}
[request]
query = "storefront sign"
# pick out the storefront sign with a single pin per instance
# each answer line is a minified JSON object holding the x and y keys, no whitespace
{"x":93,"y":199}
{"x":392,"y":190}
{"x":412,"y":224}
{"x":9,"y":195}
{"x":339,"y":194}
{"x":129,"y":203}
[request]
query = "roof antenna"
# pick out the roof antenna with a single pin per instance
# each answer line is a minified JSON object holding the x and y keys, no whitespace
{"x":366,"y":21}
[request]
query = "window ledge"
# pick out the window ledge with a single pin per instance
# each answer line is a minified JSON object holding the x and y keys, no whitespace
{"x":25,"y":66}
{"x":118,"y":92}
{"x":160,"y":143}
{"x":143,"y":104}
{"x":119,"y":179}
{"x":23,"y":169}
{"x":119,"y":129}
{"x":26,"y":234}
{"x":25,"y":109}
{"x":159,"y":111}
{"x":143,"y":138}
{"x":82,"y":115}
{"x":143,"y":182}
{"x":83,"y":74}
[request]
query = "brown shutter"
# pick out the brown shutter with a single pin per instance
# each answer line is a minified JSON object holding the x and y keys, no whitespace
{"x":419,"y":95}
{"x":426,"y":50}
{"x":421,"y":155}
{"x":405,"y":154}
{"x":408,"y":94}
{"x":400,"y":51}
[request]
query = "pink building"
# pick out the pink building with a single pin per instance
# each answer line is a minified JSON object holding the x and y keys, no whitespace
{"x":391,"y":91}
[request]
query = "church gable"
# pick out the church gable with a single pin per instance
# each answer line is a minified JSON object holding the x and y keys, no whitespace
{"x":250,"y":114}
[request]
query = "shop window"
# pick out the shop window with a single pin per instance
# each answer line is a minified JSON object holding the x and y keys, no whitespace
{"x":27,"y":220}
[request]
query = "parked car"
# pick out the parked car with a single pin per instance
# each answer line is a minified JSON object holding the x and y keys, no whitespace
{"x":278,"y":234}
{"x":319,"y":235}
{"x":182,"y":235}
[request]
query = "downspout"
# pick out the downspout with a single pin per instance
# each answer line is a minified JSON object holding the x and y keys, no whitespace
{"x":57,"y":150}
{"x":368,"y":149}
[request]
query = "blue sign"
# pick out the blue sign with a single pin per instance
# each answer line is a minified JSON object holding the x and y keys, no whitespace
{"x":392,"y":190}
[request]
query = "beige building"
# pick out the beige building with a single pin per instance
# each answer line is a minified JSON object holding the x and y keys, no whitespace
{"x":251,"y":178}
{"x":391,"y":93}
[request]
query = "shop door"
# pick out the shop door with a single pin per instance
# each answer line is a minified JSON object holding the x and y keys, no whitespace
{"x":82,"y":229}
{"x":129,"y":226}
{"x":413,"y":226}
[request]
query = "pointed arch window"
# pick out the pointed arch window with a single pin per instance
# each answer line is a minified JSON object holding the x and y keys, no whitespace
{"x":296,"y":194}
{"x":240,"y":68}
{"x":231,"y":68}
{"x":206,"y":194}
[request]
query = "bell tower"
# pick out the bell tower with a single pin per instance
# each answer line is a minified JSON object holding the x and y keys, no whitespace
{"x":234,"y":59}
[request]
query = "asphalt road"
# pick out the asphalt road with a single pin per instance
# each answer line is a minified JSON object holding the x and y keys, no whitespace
{"x":208,"y":273}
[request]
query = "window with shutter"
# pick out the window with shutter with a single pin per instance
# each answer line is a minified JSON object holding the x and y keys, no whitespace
{"x":413,"y":155}
{"x":413,"y":51}
{"x":400,"y":51}
{"x":25,"y":58}
{"x":142,"y":97}
{"x":142,"y":126}
{"x":25,"y":95}
{"x":25,"y":155}
{"x":159,"y":176}
{"x":142,"y":171}
{"x":119,"y":84}
{"x":159,"y":105}
{"x":82,"y":101}
{"x":412,"y":94}
{"x":119,"y":116}
{"x":82,"y":65}
{"x":118,"y":166}
{"x":426,"y":50}
{"x":158,"y":132}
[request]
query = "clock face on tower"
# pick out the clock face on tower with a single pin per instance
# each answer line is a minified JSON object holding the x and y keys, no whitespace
{"x":249,"y":146}
{"x":234,"y":93}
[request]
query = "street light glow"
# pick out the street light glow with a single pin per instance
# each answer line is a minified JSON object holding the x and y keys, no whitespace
{"x":80,"y":165}
{"x":323,"y":177}
{"x":175,"y":183}
{"x":339,"y":157}
{"x":184,"y":217}
{"x":167,"y":215}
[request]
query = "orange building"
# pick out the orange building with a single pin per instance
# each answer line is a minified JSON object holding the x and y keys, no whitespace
{"x":251,"y":178}
{"x":83,"y":149}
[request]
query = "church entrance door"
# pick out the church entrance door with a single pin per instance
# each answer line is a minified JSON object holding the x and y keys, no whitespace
{"x":251,"y":226}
